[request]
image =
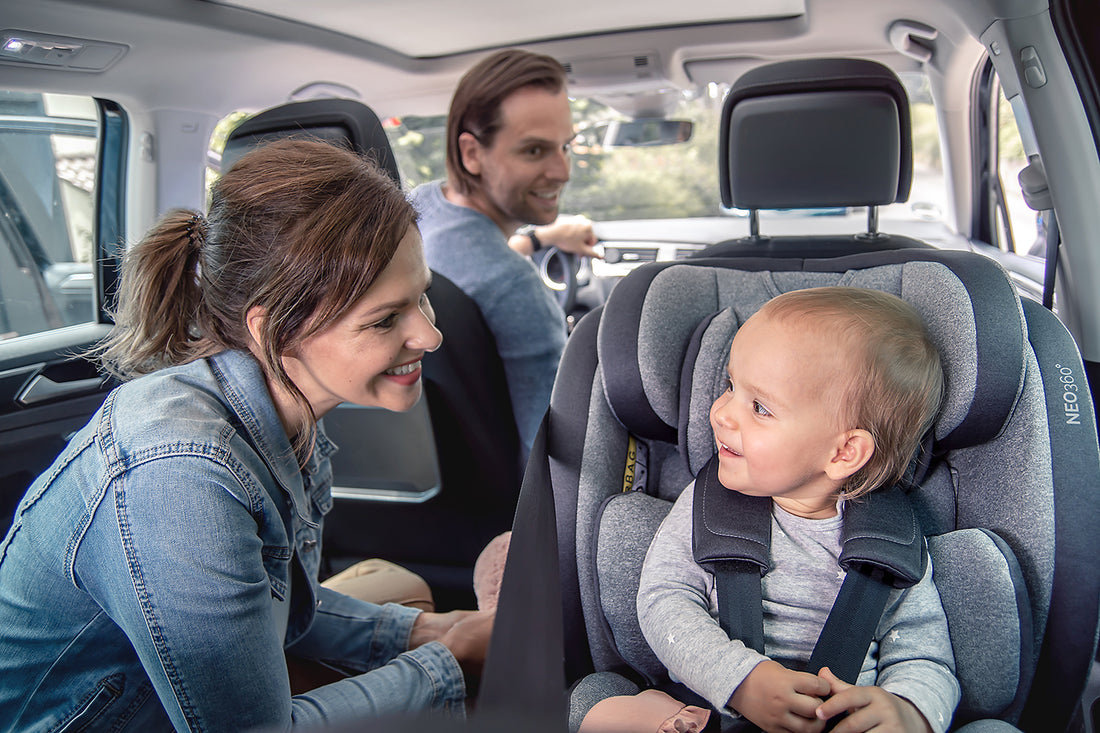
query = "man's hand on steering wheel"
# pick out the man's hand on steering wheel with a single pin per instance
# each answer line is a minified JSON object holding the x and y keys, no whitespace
{"x":570,"y":234}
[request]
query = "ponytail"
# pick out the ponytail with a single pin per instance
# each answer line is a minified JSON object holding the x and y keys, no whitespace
{"x":159,"y":300}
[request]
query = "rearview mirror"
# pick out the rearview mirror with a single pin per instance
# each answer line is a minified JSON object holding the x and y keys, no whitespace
{"x":641,"y":132}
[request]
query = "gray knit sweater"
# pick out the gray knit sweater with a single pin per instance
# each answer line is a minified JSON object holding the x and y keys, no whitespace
{"x":466,"y":247}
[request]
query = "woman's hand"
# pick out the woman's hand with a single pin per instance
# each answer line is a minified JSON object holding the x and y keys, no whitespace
{"x":465,"y":633}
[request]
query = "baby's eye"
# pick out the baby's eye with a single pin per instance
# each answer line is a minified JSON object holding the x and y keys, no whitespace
{"x":759,"y":409}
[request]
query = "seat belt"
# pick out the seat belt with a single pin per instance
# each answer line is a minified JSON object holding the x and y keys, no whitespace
{"x":1036,"y":192}
{"x":851,"y":624}
{"x":1054,"y":241}
{"x":532,"y":683}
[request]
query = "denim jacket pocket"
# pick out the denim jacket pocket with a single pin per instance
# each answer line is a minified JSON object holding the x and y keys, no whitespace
{"x":277,"y":567}
{"x":321,"y":498}
{"x":94,"y":704}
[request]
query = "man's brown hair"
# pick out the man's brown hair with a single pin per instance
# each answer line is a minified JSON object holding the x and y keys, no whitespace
{"x":475,"y":106}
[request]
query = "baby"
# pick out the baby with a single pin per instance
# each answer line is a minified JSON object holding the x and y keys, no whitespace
{"x":829,"y":392}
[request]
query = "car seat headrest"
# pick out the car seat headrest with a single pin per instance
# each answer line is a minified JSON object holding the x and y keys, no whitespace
{"x":661,"y":384}
{"x":815,"y":133}
{"x":344,"y":122}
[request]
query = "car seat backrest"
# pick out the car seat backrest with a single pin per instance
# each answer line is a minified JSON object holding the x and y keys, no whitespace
{"x":343,"y":122}
{"x":986,"y":484}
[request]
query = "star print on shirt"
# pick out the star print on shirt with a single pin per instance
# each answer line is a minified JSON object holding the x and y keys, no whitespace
{"x":894,"y":635}
{"x":671,"y":638}
{"x":840,"y":575}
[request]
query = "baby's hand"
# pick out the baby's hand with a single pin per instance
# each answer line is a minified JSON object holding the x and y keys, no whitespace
{"x":868,"y":707}
{"x":779,"y":699}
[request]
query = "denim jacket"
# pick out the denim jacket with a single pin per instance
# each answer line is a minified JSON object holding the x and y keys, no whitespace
{"x":154,"y":575}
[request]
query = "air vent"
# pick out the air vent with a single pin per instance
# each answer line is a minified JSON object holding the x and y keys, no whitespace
{"x":634,"y":255}
{"x":684,"y":252}
{"x":641,"y":62}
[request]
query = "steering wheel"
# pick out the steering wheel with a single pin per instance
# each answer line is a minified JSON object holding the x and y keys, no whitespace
{"x":558,"y":271}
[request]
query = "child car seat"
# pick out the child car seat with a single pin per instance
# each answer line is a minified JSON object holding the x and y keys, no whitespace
{"x":1008,"y":495}
{"x":1006,"y":498}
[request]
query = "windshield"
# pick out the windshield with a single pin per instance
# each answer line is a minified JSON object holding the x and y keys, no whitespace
{"x":615,"y":178}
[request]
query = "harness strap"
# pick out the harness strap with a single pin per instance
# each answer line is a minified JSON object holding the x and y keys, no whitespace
{"x":739,"y":601}
{"x":883,"y":548}
{"x":851,"y":624}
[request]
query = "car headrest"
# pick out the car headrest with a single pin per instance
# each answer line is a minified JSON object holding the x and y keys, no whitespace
{"x":664,"y":338}
{"x":341,"y":121}
{"x":815,"y":133}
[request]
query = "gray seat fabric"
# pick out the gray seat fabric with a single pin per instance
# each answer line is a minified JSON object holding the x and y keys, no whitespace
{"x":987,"y":496}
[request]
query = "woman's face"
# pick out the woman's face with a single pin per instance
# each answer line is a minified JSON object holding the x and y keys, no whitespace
{"x":371,"y":355}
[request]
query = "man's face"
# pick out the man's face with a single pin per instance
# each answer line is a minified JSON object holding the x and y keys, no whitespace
{"x":524,"y":169}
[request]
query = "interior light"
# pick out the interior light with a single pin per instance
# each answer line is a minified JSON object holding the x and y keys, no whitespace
{"x":24,"y":47}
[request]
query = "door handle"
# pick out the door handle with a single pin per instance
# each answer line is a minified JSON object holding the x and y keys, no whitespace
{"x":42,"y":389}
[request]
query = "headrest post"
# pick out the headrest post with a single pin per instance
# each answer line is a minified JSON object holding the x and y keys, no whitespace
{"x":754,"y":223}
{"x":872,"y":221}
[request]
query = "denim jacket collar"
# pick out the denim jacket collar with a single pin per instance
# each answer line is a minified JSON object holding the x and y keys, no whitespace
{"x":242,"y":381}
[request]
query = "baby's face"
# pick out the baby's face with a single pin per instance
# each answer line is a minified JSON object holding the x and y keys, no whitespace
{"x":777,"y":425}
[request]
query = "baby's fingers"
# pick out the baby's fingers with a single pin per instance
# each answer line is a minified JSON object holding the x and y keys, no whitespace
{"x":848,"y":700}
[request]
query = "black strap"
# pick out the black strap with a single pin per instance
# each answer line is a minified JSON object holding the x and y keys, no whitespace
{"x":1054,"y":240}
{"x":851,"y":624}
{"x":740,"y":604}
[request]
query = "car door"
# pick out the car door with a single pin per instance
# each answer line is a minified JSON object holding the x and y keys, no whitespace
{"x":60,"y":208}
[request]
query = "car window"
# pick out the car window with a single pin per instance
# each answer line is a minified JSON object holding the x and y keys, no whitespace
{"x":48,"y":151}
{"x":1020,"y":229}
{"x":661,"y":176}
{"x":928,"y":194}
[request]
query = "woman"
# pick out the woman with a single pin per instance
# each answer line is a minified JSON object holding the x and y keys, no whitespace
{"x":155,"y":575}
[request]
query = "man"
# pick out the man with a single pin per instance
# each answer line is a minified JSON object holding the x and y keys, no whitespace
{"x":508,"y":135}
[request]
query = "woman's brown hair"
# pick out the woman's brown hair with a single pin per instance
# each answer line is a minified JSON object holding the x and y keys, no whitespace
{"x":475,"y":106}
{"x":298,"y":228}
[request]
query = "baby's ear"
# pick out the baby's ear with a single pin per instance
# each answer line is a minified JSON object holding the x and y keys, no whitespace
{"x":854,"y":449}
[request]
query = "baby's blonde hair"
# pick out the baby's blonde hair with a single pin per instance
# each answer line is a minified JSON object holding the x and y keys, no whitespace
{"x":896,"y":386}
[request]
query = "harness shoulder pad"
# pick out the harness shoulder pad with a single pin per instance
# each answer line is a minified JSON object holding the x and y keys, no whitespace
{"x":728,"y":525}
{"x":881,"y":530}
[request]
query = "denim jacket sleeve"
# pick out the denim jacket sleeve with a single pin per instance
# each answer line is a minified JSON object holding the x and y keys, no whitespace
{"x":185,"y":574}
